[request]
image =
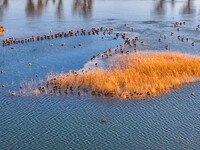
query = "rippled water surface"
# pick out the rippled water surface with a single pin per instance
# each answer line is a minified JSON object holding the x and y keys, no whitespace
{"x":169,"y":121}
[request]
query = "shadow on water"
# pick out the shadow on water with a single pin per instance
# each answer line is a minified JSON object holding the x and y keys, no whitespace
{"x":59,"y":8}
{"x":188,"y":8}
{"x":160,"y":7}
{"x":3,"y":7}
{"x":83,"y":7}
{"x":34,"y":8}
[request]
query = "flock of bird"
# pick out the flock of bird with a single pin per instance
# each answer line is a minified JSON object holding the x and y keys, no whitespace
{"x":178,"y":25}
{"x":109,"y":53}
{"x":70,"y":33}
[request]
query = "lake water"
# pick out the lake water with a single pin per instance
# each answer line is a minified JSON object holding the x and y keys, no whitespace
{"x":169,"y":121}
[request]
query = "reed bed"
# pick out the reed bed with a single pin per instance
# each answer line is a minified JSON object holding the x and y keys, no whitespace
{"x":133,"y":76}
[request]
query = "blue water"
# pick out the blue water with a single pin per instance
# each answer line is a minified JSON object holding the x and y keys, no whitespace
{"x":169,"y":121}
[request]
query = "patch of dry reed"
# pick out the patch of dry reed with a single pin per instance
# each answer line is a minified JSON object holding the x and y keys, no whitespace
{"x":134,"y":76}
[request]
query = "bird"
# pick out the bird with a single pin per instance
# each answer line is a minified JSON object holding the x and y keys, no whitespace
{"x":192,"y":43}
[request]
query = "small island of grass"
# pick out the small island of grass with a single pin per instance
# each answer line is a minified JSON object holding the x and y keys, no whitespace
{"x":133,"y":76}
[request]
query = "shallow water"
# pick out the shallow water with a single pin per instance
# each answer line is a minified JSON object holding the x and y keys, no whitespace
{"x":169,"y":121}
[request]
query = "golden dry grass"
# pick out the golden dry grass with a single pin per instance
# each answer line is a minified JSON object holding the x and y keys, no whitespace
{"x":134,"y":76}
{"x":1,"y":29}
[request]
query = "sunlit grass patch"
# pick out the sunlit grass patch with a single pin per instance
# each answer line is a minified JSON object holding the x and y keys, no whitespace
{"x":1,"y":29}
{"x":133,"y":76}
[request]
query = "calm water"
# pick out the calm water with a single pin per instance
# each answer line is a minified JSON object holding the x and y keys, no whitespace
{"x":170,"y":121}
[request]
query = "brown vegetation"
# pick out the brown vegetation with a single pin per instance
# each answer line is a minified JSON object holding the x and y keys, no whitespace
{"x":1,"y":29}
{"x":134,"y":76}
